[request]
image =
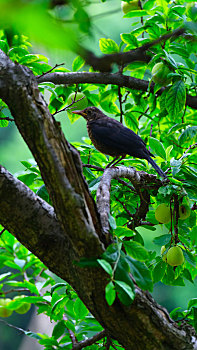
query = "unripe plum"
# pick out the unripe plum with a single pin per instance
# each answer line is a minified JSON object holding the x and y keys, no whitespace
{"x":175,"y":256}
{"x":162,"y":213}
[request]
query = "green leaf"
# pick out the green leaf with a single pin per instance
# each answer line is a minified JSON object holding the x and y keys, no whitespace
{"x":16,"y":53}
{"x":49,"y":343}
{"x":27,"y":179}
{"x":159,"y":271}
{"x":13,"y":265}
{"x":37,"y":336}
{"x":122,"y":231}
{"x":108,"y":46}
{"x":129,"y":39}
{"x":26,"y":164}
{"x":187,"y":275}
{"x":189,"y":257}
{"x":188,"y":135}
{"x":29,"y":58}
{"x":59,"y":304}
{"x":192,"y":302}
{"x":110,"y":293}
{"x":176,"y":313}
{"x":193,"y":235}
{"x":4,"y":275}
{"x":32,"y":300}
{"x":78,"y":63}
{"x":80,"y":309}
{"x":157,"y":147}
{"x":106,"y":266}
{"x":141,"y":273}
{"x":127,"y":289}
{"x":162,"y":240}
{"x":58,"y":286}
{"x":136,"y":250}
{"x":43,"y":193}
{"x":4,"y":46}
{"x":137,"y":13}
{"x":26,"y":284}
{"x":176,"y":98}
{"x":59,"y":329}
{"x":3,"y":123}
{"x":107,"y":102}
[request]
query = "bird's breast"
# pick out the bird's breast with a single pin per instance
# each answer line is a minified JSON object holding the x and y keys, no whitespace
{"x":101,"y":143}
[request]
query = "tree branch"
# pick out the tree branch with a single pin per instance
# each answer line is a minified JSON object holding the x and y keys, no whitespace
{"x":104,"y":63}
{"x":90,"y":341}
{"x":107,"y":78}
{"x":137,"y":178}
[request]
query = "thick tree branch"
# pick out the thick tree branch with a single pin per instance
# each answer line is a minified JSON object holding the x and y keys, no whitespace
{"x":104,"y":63}
{"x":137,"y":179}
{"x":107,"y":78}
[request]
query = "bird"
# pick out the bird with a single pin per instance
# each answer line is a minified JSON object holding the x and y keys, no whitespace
{"x":112,"y":138}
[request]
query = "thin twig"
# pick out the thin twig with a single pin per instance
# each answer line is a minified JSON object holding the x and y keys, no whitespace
{"x":126,"y":184}
{"x":94,"y":167}
{"x":14,"y":290}
{"x":11,"y":326}
{"x":188,"y":149}
{"x":90,"y":341}
{"x":124,"y":206}
{"x":2,"y":231}
{"x":50,"y":70}
{"x":71,"y":104}
{"x":120,"y":102}
{"x":7,"y":118}
{"x":71,"y":334}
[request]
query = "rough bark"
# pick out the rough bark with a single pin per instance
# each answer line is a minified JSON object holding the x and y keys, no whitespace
{"x":72,"y":229}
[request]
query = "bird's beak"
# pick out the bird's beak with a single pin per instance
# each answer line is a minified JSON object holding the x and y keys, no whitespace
{"x":80,"y":113}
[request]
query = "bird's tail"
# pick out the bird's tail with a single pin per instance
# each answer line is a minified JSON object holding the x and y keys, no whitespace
{"x":156,"y":167}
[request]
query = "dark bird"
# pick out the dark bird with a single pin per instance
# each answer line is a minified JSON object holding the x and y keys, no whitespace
{"x":110,"y":137}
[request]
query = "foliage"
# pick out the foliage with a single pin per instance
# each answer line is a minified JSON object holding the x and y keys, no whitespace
{"x":163,"y":118}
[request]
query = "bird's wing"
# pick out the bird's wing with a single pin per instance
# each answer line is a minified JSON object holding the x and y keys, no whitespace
{"x":113,"y":135}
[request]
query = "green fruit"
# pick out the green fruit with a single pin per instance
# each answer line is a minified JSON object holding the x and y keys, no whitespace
{"x":164,"y":255}
{"x":159,"y":74}
{"x":162,"y":213}
{"x":3,"y":311}
{"x":175,"y":256}
{"x":23,"y":306}
{"x":78,"y":105}
{"x":184,"y":212}
{"x":130,"y":6}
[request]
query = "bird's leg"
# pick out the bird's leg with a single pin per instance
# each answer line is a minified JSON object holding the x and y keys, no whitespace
{"x":116,"y":160}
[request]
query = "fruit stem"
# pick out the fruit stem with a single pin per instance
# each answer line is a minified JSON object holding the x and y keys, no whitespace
{"x":176,"y":214}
